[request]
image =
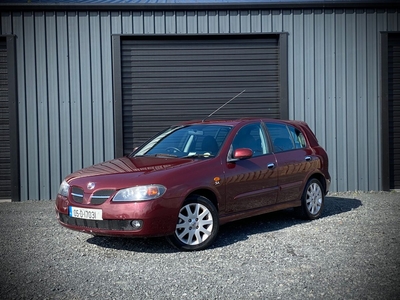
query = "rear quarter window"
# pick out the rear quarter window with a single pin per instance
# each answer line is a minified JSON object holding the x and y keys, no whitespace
{"x":298,"y":137}
{"x":285,"y":137}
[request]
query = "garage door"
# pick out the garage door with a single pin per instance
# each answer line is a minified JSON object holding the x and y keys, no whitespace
{"x":394,"y":109}
{"x":5,"y":165}
{"x":173,"y":79}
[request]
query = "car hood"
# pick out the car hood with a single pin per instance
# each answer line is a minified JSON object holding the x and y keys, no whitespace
{"x":120,"y":172}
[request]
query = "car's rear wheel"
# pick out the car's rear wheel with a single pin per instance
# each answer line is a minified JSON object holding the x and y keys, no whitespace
{"x":312,"y":201}
{"x":197,"y":224}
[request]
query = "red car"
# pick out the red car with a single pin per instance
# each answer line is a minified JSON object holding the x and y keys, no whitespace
{"x":191,"y":178}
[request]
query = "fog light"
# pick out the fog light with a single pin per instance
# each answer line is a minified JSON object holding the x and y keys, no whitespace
{"x":137,"y":224}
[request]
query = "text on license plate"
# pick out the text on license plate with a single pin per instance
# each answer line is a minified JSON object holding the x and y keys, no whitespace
{"x":84,"y":213}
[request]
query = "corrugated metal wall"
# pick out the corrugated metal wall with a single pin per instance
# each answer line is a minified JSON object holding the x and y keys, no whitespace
{"x":65,"y":83}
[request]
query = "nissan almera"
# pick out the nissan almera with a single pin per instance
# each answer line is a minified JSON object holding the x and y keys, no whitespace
{"x":193,"y":177}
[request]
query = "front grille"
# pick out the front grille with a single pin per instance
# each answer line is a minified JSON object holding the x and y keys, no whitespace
{"x":122,"y":225}
{"x":101,"y":196}
{"x":77,"y":194}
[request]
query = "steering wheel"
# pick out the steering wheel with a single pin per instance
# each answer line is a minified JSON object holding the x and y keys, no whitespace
{"x":172,"y":150}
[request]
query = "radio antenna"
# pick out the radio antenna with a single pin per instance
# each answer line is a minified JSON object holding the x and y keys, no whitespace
{"x":223,"y":105}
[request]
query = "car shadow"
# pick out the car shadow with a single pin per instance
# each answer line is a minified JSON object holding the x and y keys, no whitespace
{"x":230,"y":233}
{"x":275,"y":221}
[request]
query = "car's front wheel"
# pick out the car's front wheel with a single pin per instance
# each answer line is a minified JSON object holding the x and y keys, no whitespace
{"x":312,"y":201}
{"x":197,"y":224}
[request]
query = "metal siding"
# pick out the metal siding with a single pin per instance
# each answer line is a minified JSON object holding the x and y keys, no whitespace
{"x":287,"y":26}
{"x":42,"y":105}
{"x":181,"y":23}
{"x":53,"y":105}
{"x":351,"y":103}
{"x":297,"y":103}
{"x":319,"y":80}
{"x":116,"y":22}
{"x":127,"y":24}
{"x":5,"y":23}
{"x":192,"y":22}
{"x":86,"y":90}
{"x":266,"y":21}
{"x":31,"y":105}
{"x":212,"y":20}
{"x":361,"y":87}
{"x":202,"y":21}
{"x":97,"y":97}
{"x":75,"y":91}
{"x":148,"y":21}
{"x":337,"y":92}
{"x":381,"y":26}
{"x":309,"y":68}
{"x":330,"y":95}
{"x":5,"y":130}
{"x":340,"y":91}
{"x":106,"y":77}
{"x":372,"y":102}
{"x":234,"y":23}
{"x":64,"y":94}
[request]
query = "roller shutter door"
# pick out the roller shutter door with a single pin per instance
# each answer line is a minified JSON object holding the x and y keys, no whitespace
{"x":394,"y":109}
{"x":173,"y":79}
{"x":5,"y":164}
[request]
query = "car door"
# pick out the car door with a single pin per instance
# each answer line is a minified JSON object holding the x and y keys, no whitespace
{"x":251,"y":183}
{"x":295,"y":160}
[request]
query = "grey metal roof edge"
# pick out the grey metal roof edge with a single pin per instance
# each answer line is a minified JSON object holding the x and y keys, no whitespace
{"x":197,"y":6}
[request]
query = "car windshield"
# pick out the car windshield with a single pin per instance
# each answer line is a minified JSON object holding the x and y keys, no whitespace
{"x":200,"y":140}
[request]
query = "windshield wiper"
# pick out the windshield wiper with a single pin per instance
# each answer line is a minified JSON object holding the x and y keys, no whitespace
{"x":165,"y":155}
{"x":198,"y":155}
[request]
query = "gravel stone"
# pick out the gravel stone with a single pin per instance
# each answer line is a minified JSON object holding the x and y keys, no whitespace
{"x":351,"y":252}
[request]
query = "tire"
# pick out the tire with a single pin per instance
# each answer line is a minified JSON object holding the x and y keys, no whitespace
{"x":312,"y":200}
{"x":197,"y":225}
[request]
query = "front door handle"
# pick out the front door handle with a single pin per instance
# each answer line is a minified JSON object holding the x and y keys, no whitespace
{"x":308,"y":158}
{"x":271,"y":166}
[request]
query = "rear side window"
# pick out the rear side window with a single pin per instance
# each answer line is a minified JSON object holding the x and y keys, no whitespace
{"x":297,"y":137}
{"x":285,"y":138}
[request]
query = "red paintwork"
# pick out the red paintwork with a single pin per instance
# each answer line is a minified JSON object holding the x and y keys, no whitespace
{"x":246,"y":187}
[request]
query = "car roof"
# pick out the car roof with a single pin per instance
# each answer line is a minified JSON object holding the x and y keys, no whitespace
{"x":234,"y":122}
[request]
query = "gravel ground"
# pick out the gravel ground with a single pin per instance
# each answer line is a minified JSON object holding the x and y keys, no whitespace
{"x":352,"y":252}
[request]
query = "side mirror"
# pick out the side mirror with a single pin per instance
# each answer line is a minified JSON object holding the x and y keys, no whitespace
{"x":241,"y":153}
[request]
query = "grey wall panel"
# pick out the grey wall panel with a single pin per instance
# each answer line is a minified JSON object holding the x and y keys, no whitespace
{"x":53,"y":104}
{"x":340,"y":91}
{"x":64,"y":100}
{"x":42,"y":105}
{"x":74,"y":66}
{"x":86,"y":88}
{"x":373,"y":111}
{"x":31,"y":104}
{"x":106,"y":78}
{"x":96,"y":84}
{"x":64,"y":75}
{"x":18,"y":30}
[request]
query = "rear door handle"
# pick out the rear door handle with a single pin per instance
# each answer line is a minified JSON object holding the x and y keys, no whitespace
{"x":271,"y":166}
{"x":308,"y":158}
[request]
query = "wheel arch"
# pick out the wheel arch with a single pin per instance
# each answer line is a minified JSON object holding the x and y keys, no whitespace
{"x":210,"y":195}
{"x":321,"y":179}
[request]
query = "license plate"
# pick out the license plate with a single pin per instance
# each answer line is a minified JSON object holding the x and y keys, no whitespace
{"x":84,"y":213}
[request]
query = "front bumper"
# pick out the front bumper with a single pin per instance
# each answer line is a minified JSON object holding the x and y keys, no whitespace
{"x":158,"y":217}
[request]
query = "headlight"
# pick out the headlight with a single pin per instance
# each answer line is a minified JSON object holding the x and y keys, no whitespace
{"x":64,"y":189}
{"x":140,"y":193}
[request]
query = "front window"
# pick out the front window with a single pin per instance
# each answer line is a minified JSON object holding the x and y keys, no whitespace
{"x":200,"y":140}
{"x":252,"y":137}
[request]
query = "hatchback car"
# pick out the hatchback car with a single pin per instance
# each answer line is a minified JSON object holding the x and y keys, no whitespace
{"x":193,"y":177}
